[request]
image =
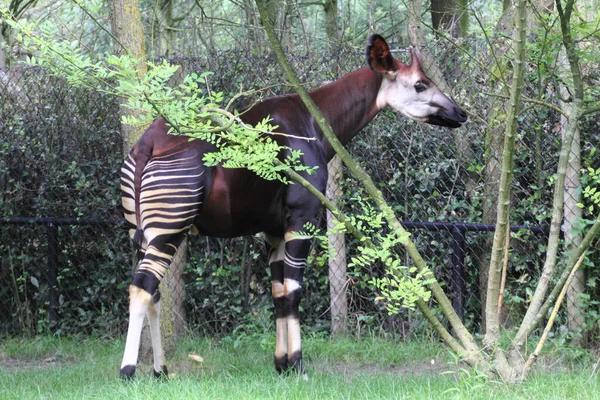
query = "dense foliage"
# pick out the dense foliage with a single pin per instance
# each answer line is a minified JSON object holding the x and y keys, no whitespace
{"x":60,"y":156}
{"x":48,"y":173}
{"x":61,"y":151}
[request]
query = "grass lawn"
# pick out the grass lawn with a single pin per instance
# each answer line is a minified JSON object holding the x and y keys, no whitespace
{"x":82,"y":368}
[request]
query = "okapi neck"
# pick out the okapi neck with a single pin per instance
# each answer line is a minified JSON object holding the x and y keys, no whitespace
{"x":348,"y":104}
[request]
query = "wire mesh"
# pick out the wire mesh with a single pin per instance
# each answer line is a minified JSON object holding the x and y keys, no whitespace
{"x":61,"y":152}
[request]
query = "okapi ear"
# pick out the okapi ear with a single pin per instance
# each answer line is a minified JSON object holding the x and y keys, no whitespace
{"x":379,"y":57}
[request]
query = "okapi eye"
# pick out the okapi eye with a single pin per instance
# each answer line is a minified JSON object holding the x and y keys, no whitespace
{"x":420,"y":86}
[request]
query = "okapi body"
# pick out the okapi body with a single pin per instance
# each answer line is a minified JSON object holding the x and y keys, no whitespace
{"x":168,"y":191}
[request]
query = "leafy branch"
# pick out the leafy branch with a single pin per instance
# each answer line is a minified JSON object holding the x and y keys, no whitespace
{"x":189,"y":108}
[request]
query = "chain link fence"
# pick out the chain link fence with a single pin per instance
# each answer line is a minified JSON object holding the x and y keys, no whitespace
{"x":67,"y":268}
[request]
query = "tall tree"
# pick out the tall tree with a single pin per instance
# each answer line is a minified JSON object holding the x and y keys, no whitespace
{"x":539,"y":303}
{"x":126,"y":23}
{"x":572,"y":196}
{"x":572,"y":220}
{"x":163,"y":28}
{"x":17,"y":9}
{"x":499,"y":248}
{"x":331,"y":21}
{"x":337,"y":254}
{"x":445,"y":15}
{"x":337,"y":240}
{"x":253,"y":38}
{"x":128,"y":30}
{"x":3,"y":47}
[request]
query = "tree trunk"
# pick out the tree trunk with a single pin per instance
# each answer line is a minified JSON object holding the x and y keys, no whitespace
{"x":445,"y":16}
{"x":572,"y":217}
{"x":534,"y":316}
{"x":3,"y":46}
{"x":253,"y":38}
{"x":128,"y":29}
{"x":499,"y":250}
{"x":126,"y":22}
{"x":331,"y":22}
{"x":572,"y":232}
{"x":494,"y":144}
{"x":164,"y":34}
{"x":463,"y":8}
{"x":172,"y":289}
{"x":337,"y":255}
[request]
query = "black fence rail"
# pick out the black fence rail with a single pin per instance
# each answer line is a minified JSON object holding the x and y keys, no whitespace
{"x":458,"y":232}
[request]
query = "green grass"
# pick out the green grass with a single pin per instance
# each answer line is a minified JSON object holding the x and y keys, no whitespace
{"x":241,"y":368}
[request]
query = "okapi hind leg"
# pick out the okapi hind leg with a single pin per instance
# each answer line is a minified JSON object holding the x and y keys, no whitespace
{"x":153,"y":313}
{"x":141,"y":304}
{"x":139,"y":301}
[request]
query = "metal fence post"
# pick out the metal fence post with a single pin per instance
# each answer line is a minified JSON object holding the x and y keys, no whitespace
{"x":458,"y":270}
{"x":52,"y":274}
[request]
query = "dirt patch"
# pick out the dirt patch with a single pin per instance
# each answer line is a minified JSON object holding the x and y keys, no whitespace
{"x":16,"y":364}
{"x":434,"y":367}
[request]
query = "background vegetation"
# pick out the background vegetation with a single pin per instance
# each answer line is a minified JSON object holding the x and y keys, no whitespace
{"x":62,"y":147}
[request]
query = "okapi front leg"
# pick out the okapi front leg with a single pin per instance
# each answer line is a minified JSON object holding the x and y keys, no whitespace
{"x":288,"y":260}
{"x":294,"y":262}
{"x":276,"y":252}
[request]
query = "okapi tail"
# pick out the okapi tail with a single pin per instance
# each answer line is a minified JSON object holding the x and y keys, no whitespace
{"x":138,"y":238}
{"x":131,"y":187}
{"x":142,"y":152}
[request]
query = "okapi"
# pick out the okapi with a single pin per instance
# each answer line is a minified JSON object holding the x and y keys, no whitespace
{"x":167,"y":190}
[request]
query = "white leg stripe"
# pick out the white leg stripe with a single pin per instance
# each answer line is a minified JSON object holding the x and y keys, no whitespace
{"x":138,"y":305}
{"x":281,"y":343}
{"x":294,"y":341}
{"x":154,"y":324}
{"x":294,"y":262}
{"x":290,"y":285}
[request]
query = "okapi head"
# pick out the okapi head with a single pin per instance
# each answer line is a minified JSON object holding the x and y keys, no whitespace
{"x":407,"y":89}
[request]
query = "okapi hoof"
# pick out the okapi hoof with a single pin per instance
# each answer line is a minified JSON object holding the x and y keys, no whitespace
{"x":281,"y":364}
{"x":296,"y":364}
{"x":291,"y":365}
{"x":163,"y":374}
{"x":127,"y":372}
